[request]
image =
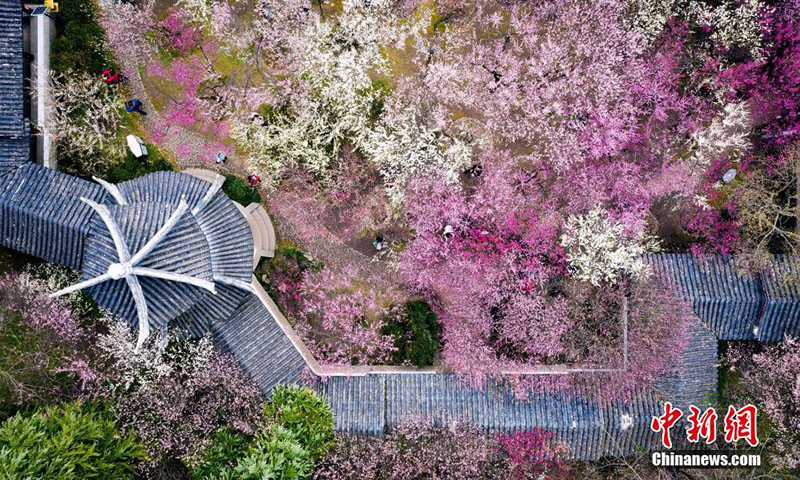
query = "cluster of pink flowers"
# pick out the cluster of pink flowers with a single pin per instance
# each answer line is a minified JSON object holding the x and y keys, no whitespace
{"x":417,"y":449}
{"x":771,"y":379}
{"x":177,"y":34}
{"x":42,"y":341}
{"x":341,"y":318}
{"x":532,"y":453}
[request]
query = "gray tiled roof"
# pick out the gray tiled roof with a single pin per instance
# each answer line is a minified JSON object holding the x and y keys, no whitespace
{"x":197,"y":320}
{"x":41,"y":213}
{"x":11,"y":97}
{"x":781,"y":286}
{"x":14,"y":152}
{"x":14,"y":138}
{"x":229,"y":237}
{"x":253,"y":336}
{"x":184,"y":250}
{"x":695,"y":380}
{"x":370,"y":404}
{"x":737,"y":306}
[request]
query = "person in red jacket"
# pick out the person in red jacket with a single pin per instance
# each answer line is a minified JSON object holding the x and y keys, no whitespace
{"x":110,"y":77}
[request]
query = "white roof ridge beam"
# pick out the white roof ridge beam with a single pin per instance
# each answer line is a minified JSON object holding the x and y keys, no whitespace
{"x":212,"y":190}
{"x":112,"y":190}
{"x":175,"y":277}
{"x":161,"y":233}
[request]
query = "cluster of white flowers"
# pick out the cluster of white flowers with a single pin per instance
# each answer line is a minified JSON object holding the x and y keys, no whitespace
{"x":598,"y":250}
{"x":727,"y":134}
{"x":735,"y":24}
{"x":405,"y":149}
{"x":84,"y":117}
{"x":337,"y":105}
{"x":153,"y":361}
{"x":199,"y":11}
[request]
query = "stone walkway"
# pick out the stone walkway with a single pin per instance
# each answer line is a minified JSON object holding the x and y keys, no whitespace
{"x":187,"y":148}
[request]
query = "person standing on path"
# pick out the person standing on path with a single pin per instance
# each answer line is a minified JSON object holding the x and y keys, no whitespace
{"x":134,"y":105}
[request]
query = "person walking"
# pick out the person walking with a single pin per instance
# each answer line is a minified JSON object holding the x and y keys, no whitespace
{"x":253,"y":180}
{"x":221,"y":158}
{"x":134,"y":105}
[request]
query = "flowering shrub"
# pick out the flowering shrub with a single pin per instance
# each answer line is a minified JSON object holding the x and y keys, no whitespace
{"x":532,"y":454}
{"x":341,"y":319}
{"x":174,"y":394}
{"x":415,"y":449}
{"x":770,"y":379}
{"x":39,"y":338}
{"x":598,"y":251}
{"x":177,"y":34}
{"x":84,"y":119}
{"x":520,"y":154}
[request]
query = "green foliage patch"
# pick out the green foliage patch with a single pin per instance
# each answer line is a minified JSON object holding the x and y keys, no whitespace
{"x":133,"y":167}
{"x":415,"y":329}
{"x":80,"y":44}
{"x":67,"y":442}
{"x":297,"y":431}
{"x":240,"y":191}
{"x":305,"y":414}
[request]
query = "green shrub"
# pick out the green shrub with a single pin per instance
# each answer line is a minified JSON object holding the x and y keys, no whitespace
{"x":305,"y":414}
{"x":276,"y":454}
{"x":80,"y":43}
{"x":66,"y":442}
{"x":221,"y":456}
{"x":134,"y":167}
{"x":416,"y":333}
{"x":240,"y":191}
{"x":298,"y":430}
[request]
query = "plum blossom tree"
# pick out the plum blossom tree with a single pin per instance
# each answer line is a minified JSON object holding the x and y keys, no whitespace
{"x":341,"y":318}
{"x":771,"y":378}
{"x":174,"y":394}
{"x":726,"y":136}
{"x":415,"y":449}
{"x":598,"y":251}
{"x":40,"y":338}
{"x":84,"y":119}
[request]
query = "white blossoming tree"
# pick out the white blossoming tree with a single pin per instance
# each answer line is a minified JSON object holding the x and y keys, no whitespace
{"x":84,"y":119}
{"x":734,"y":24}
{"x":728,"y":134}
{"x":599,"y":251}
{"x":153,"y":361}
{"x":338,"y":101}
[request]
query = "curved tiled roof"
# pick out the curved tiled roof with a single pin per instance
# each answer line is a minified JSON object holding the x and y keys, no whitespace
{"x":184,"y":250}
{"x":41,"y":213}
{"x":229,"y":237}
{"x":737,"y":306}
